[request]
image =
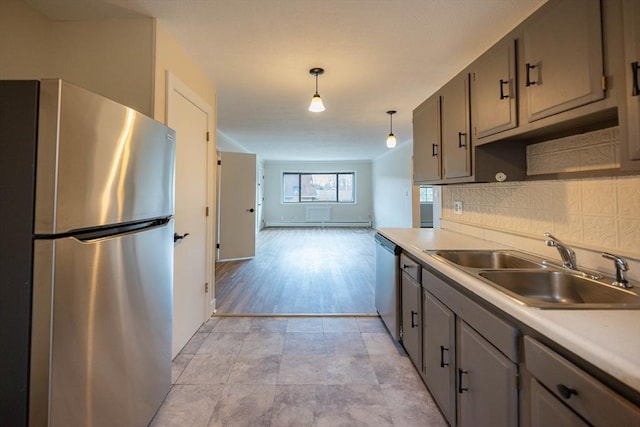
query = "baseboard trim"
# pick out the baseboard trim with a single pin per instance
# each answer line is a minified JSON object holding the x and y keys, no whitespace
{"x":358,"y":224}
{"x":296,"y":315}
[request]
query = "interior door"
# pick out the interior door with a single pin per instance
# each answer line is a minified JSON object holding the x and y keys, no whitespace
{"x":190,"y":263}
{"x":237,"y":206}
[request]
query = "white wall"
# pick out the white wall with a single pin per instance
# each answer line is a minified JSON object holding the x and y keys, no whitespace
{"x":278,"y":213}
{"x":393,"y":188}
{"x":25,"y":42}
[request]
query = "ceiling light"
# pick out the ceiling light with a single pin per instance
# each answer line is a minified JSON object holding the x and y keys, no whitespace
{"x":316,"y":102}
{"x":391,"y":139}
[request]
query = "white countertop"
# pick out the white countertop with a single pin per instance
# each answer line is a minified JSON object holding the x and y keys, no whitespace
{"x":608,"y":339}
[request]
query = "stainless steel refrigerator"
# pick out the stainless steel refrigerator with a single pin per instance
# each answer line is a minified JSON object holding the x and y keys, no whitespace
{"x":86,"y":258}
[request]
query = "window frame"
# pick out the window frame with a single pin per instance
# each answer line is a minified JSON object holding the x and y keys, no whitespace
{"x":337,"y":192}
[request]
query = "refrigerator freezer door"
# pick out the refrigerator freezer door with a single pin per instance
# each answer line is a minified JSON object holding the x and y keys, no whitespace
{"x":102,"y":316}
{"x":99,"y":162}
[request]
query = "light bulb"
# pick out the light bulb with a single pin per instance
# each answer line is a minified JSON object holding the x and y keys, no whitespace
{"x":316,"y":104}
{"x":391,"y":141}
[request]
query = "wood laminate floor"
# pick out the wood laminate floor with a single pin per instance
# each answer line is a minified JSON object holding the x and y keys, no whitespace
{"x":301,"y":271}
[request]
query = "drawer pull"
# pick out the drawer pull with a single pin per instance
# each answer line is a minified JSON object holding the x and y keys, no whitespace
{"x":502,"y":94}
{"x":565,"y":391}
{"x":442,"y":350}
{"x":413,"y":313}
{"x":529,"y":82}
{"x":636,"y":85}
{"x":460,"y":388}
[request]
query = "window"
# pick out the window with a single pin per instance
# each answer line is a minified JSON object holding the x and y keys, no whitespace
{"x":333,"y":187}
{"x":426,"y":194}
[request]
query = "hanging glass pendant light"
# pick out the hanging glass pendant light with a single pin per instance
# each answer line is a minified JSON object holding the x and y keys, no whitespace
{"x":316,"y":102}
{"x":391,"y":139}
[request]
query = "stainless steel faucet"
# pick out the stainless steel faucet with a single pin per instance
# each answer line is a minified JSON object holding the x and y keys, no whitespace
{"x":621,"y":267}
{"x":566,"y":253}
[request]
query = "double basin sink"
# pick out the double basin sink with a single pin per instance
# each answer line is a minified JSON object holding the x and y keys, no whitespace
{"x":537,"y":283}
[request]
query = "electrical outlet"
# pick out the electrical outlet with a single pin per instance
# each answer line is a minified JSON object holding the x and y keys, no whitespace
{"x":457,"y":207}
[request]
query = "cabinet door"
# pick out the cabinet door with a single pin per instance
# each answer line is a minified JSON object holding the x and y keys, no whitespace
{"x":494,"y":90}
{"x":438,"y":339}
{"x":547,"y":410}
{"x":563,"y":58}
{"x":456,"y":141}
{"x":411,"y":319}
{"x":631,"y":9}
{"x":426,"y":141}
{"x":486,"y":382}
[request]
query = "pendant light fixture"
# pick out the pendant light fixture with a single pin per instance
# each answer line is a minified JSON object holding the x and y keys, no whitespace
{"x":316,"y":102}
{"x":391,"y":139}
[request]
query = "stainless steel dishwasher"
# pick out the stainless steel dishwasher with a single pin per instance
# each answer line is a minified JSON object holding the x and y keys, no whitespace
{"x":388,"y":284}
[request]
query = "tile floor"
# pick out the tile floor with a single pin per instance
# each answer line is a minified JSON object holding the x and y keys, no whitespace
{"x":295,"y":371}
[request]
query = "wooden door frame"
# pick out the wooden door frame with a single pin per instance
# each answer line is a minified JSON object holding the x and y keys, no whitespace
{"x":175,"y":87}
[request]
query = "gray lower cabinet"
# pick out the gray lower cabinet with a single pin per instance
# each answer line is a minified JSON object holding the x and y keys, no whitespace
{"x":575,"y":390}
{"x":547,"y":410}
{"x":411,"y":310}
{"x":470,"y":358}
{"x":439,"y":349}
{"x":487,"y":383}
{"x":563,"y":58}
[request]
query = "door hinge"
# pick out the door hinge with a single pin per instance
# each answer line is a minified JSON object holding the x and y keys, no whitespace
{"x":206,"y":213}
{"x":206,"y":288}
{"x":207,"y":136}
{"x":219,"y":162}
{"x":604,"y":83}
{"x":217,"y":245}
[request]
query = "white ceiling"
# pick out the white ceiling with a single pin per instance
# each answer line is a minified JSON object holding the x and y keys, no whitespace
{"x":378,"y":55}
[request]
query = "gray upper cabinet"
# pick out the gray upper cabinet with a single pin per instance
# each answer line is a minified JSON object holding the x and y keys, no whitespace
{"x":631,"y":14}
{"x":456,"y":140}
{"x":487,"y":383}
{"x":563,"y":58}
{"x":426,"y":141}
{"x":493,"y":85}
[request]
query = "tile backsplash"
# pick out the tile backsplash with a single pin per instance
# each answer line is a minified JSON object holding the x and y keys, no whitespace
{"x":588,"y":151}
{"x":591,"y":214}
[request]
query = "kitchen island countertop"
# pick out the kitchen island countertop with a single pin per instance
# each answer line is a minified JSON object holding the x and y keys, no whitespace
{"x":607,"y":339}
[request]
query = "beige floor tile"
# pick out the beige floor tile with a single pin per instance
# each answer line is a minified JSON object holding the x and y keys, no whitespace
{"x":370,"y":324}
{"x":244,"y":405}
{"x":207,"y":369}
{"x":344,"y":343}
{"x":304,"y":343}
{"x":340,"y":324}
{"x":302,"y":369}
{"x":263,"y":343}
{"x":178,"y":365}
{"x":233,"y":324}
{"x":304,"y":324}
{"x":223,"y":343}
{"x":411,"y":405}
{"x":255,"y":369}
{"x":192,"y":346}
{"x":350,"y":370}
{"x":381,"y":343}
{"x":188,"y":406}
{"x":268,"y":324}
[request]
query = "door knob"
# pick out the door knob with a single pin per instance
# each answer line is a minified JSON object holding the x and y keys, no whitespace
{"x":250,"y":210}
{"x":177,"y":236}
